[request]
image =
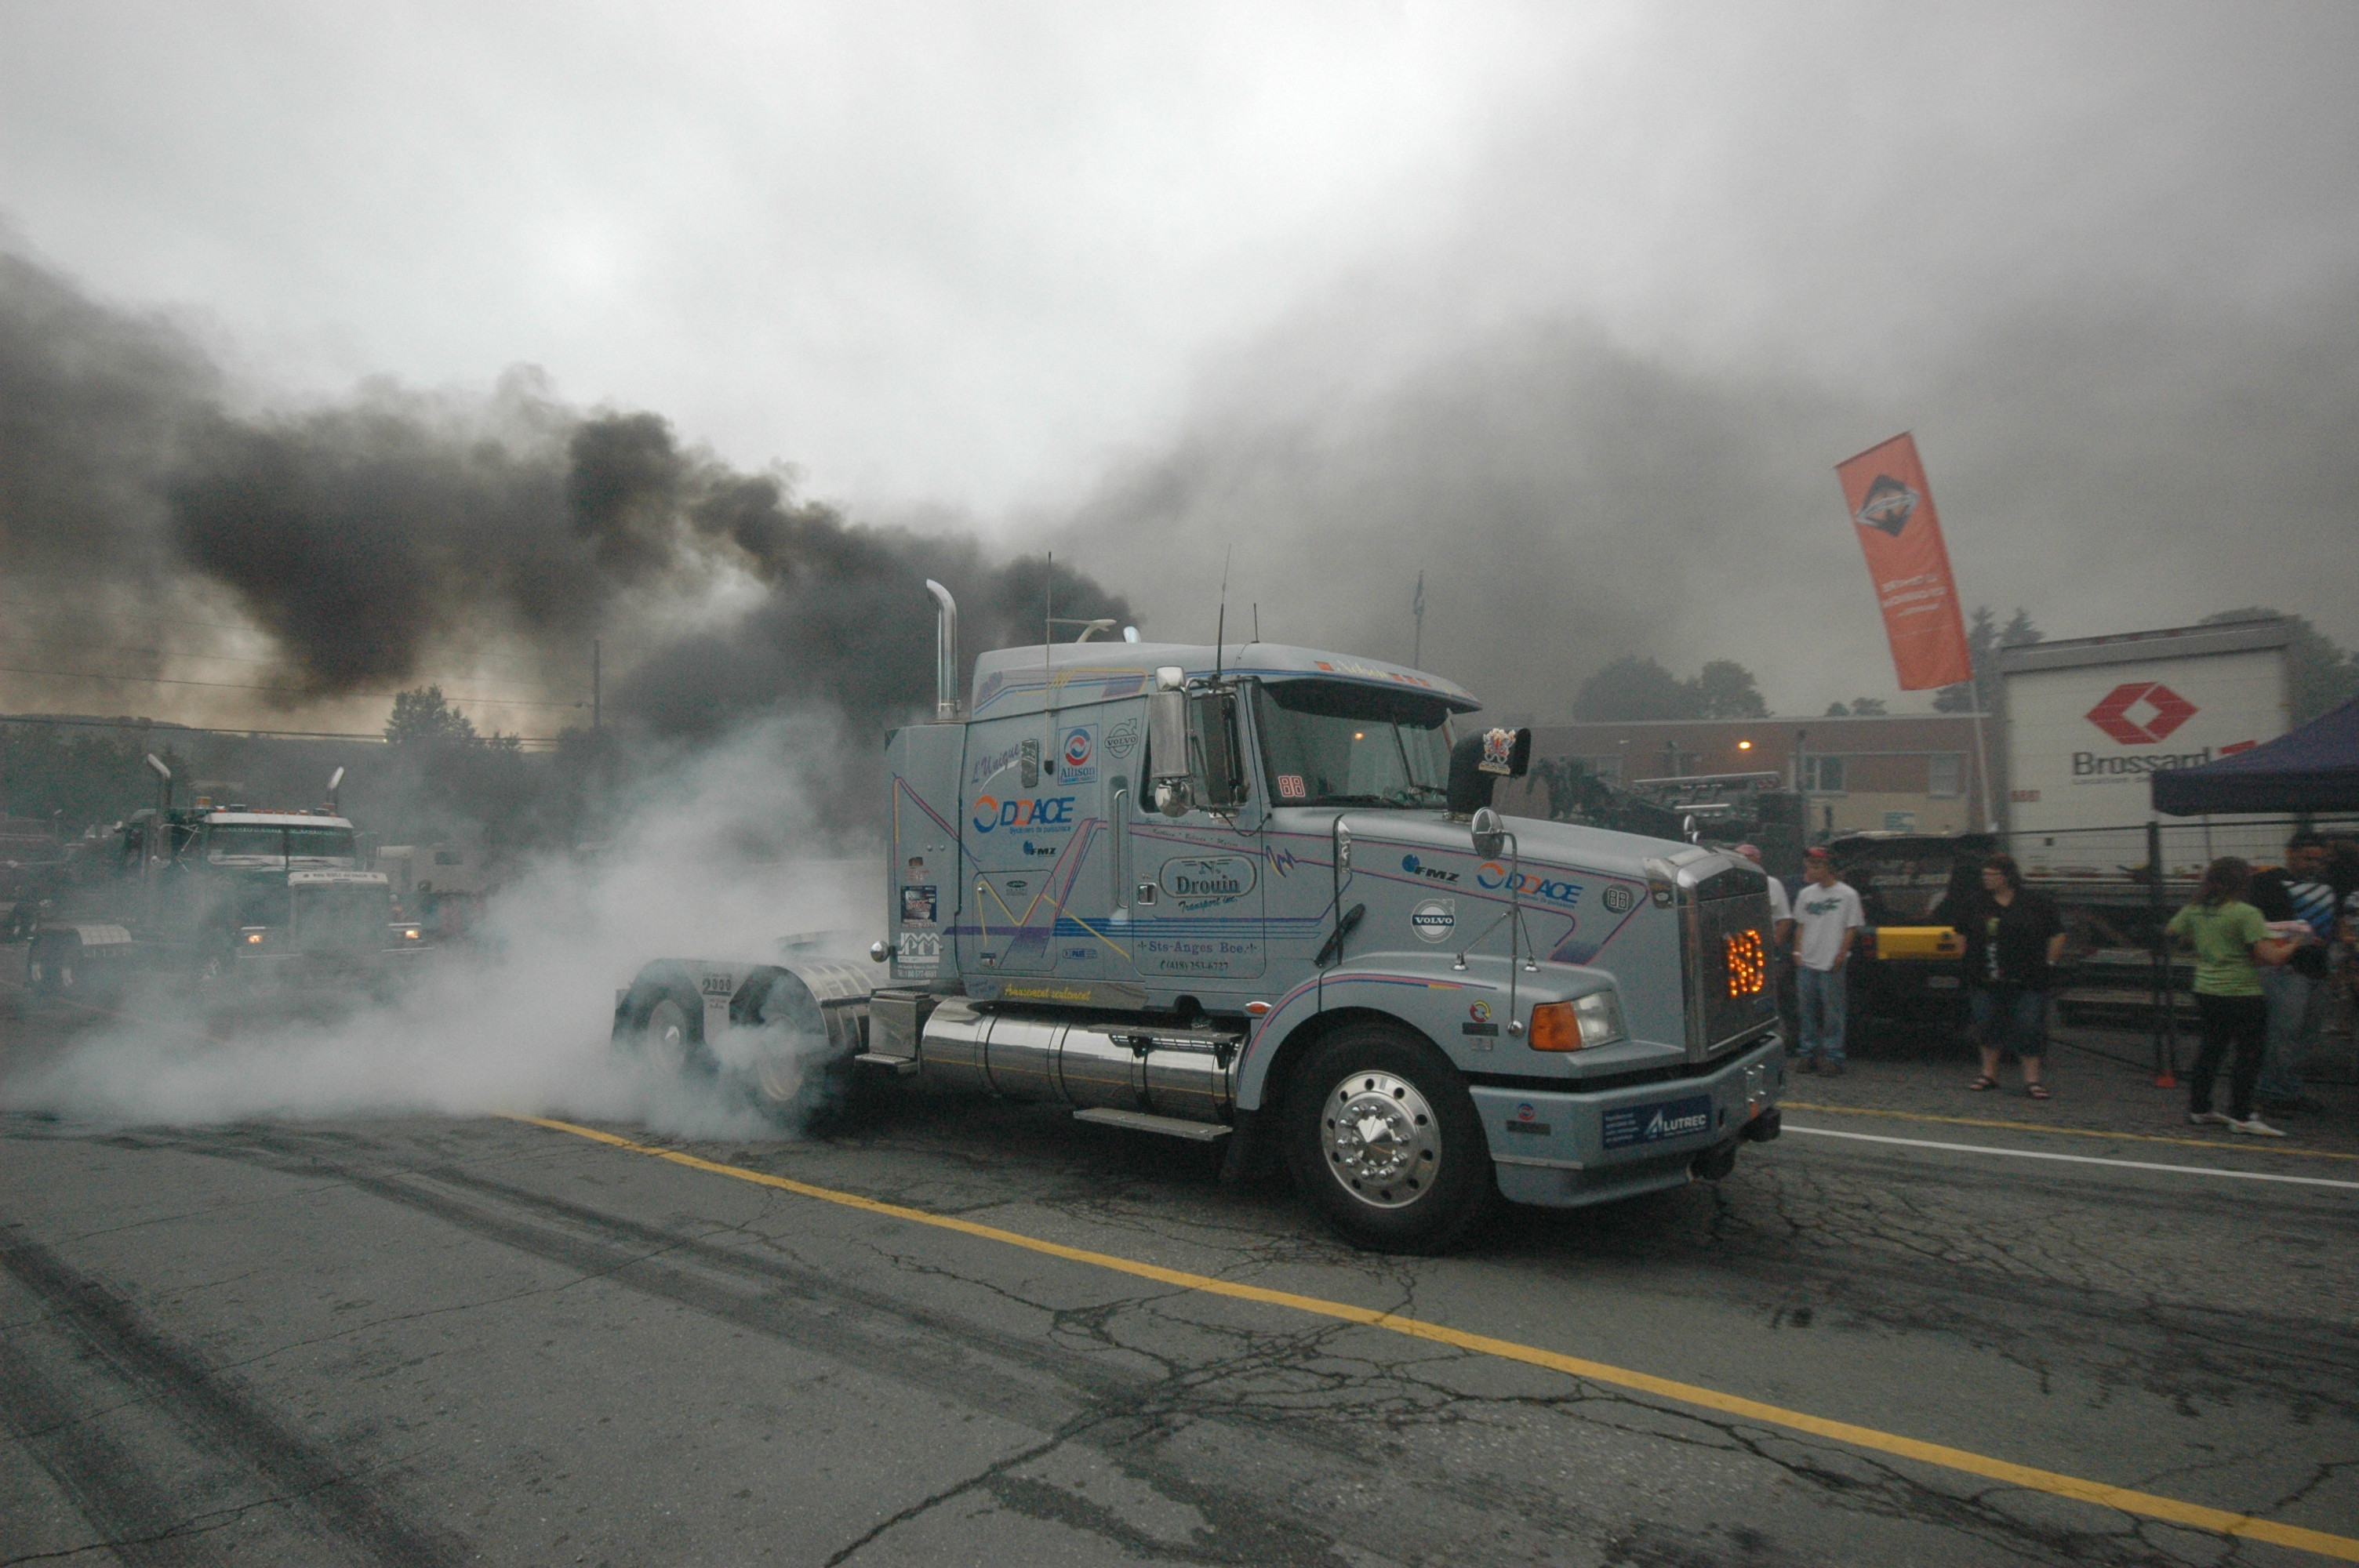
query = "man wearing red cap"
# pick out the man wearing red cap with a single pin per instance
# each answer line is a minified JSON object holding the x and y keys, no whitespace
{"x":1826,"y":913}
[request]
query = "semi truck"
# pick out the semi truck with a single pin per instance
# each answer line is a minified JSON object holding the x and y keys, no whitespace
{"x":222,"y":896}
{"x":1258,"y":892}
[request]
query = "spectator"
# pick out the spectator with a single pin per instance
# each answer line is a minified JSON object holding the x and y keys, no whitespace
{"x":2013,"y":937}
{"x":2298,"y":899}
{"x":1826,"y":917}
{"x":1781,"y":929}
{"x":2231,"y":940}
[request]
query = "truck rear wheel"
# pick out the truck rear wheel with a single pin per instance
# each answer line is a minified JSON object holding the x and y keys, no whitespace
{"x":1385,"y":1141}
{"x":662,"y":1018}
{"x":665,"y":1037}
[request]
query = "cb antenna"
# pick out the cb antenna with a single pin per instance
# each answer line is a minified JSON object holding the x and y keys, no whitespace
{"x":1221,"y":627}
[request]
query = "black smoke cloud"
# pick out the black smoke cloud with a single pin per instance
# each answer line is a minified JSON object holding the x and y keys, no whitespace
{"x":373,"y":539}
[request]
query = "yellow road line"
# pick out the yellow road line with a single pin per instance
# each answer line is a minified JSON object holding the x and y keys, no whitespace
{"x":2194,"y":1515}
{"x":2243,"y":1146}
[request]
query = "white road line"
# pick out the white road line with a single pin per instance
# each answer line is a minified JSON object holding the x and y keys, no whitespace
{"x":2076,"y":1159}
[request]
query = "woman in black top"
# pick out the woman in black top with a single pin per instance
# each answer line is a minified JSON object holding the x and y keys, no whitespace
{"x":2013,"y":937}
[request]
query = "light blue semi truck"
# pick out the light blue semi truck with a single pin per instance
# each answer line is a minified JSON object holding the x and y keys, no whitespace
{"x":1258,"y":892}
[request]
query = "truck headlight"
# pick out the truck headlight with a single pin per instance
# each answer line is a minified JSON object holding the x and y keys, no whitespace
{"x":1580,"y":1024}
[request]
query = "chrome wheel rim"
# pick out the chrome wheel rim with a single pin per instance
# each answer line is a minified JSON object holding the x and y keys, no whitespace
{"x":667,"y":1036}
{"x":1382,"y":1140}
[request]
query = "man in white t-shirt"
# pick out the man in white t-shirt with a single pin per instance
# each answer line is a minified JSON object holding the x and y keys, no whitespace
{"x":1826,"y":913}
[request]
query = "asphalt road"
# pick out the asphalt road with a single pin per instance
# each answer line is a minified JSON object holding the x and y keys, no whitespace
{"x":446,"y":1340}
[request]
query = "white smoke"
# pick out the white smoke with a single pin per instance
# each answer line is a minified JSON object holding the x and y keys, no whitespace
{"x":719,"y":857}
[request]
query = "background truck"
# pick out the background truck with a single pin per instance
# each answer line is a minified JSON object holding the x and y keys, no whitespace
{"x":1258,"y":892}
{"x":223,"y":894}
{"x":2089,"y":720}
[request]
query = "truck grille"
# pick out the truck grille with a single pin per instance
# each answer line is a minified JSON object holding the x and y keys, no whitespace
{"x":1731,"y":981}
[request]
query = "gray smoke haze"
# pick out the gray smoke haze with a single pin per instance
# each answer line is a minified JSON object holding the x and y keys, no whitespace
{"x":711,"y":858}
{"x":1574,"y":307}
{"x":2112,"y":465}
{"x":370,"y":540}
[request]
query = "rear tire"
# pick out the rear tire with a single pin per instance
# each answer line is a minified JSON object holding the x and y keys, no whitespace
{"x":662,"y":1020}
{"x":1385,"y":1141}
{"x":665,"y":1037}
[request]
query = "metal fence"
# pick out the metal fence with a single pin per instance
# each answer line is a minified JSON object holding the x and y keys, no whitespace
{"x":2095,"y":855}
{"x":2106,"y":877}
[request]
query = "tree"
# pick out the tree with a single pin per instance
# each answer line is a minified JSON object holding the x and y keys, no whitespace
{"x":1867,"y":708}
{"x":1636,"y":688}
{"x":1633,"y":686}
{"x":2319,"y":675}
{"x":1984,"y":638}
{"x":423,"y":715}
{"x":1725,"y":689}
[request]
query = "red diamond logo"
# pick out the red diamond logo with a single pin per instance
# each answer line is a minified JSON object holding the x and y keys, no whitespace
{"x":2166,"y":710}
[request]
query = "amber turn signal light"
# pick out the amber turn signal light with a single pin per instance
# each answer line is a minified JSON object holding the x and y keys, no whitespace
{"x":1554,"y":1027}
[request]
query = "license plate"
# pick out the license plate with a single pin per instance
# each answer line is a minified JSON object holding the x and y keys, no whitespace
{"x":1940,"y":982}
{"x":1625,"y":1125}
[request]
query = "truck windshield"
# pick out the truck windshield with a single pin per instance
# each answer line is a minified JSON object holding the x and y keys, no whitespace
{"x":321,"y":847}
{"x":1328,"y":744}
{"x":254,"y":844}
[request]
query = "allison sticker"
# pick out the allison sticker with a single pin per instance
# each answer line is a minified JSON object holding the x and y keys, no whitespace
{"x":1077,"y":756}
{"x":1434,"y":919}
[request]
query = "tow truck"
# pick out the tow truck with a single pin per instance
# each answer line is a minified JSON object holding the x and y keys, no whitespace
{"x":1259,"y":892}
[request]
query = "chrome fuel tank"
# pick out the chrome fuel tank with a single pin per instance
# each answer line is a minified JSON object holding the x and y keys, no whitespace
{"x":1184,"y":1073}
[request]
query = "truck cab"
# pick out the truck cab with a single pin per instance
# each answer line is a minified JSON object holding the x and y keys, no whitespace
{"x":1257,"y":891}
{"x":216,"y":892}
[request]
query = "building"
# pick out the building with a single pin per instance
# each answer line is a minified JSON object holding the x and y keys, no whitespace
{"x":1912,"y":772}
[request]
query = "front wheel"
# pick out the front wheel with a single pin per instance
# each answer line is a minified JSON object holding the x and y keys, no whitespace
{"x":1384,"y":1137}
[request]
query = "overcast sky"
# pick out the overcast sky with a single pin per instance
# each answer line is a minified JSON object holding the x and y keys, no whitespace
{"x":1574,"y":306}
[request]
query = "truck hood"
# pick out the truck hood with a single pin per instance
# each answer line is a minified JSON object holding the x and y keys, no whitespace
{"x":1598,"y":851}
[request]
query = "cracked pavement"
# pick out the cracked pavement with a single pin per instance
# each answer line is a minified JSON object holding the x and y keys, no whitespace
{"x":431,"y":1340}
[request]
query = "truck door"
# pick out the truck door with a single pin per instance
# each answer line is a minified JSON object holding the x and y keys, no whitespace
{"x":1039,"y":845}
{"x":1196,"y":884}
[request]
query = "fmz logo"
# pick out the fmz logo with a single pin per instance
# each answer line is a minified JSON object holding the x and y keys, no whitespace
{"x":2141,"y":712}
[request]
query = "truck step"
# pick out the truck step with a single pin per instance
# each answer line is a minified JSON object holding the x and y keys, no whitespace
{"x":901,"y":1066}
{"x":1170,"y":1126}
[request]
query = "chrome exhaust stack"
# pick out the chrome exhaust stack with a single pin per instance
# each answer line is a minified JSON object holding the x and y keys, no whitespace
{"x":948,"y":708}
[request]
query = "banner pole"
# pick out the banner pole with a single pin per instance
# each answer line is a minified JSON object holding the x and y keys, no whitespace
{"x":1981,"y":766}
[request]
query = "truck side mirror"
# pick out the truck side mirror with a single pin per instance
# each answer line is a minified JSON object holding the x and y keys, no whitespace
{"x":1170,"y":780}
{"x":1490,"y":834}
{"x":1221,"y":748}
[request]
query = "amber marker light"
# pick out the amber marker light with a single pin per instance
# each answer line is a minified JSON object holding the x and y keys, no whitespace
{"x":1745,"y":745}
{"x":1554,"y":1028}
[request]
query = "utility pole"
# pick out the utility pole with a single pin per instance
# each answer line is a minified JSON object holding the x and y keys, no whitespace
{"x":595,"y":673}
{"x":1416,"y":609}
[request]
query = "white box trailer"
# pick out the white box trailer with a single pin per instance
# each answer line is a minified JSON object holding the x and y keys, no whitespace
{"x":2090,"y":719}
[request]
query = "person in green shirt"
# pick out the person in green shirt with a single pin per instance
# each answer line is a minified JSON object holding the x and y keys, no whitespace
{"x":2231,"y":940}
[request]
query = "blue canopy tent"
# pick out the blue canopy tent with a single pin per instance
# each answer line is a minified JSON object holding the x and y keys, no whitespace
{"x":2314,"y":768}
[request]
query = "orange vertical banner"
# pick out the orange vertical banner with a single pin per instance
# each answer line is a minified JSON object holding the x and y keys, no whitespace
{"x":1892,"y":507}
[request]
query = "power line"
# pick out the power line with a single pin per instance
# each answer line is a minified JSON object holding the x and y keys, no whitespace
{"x":239,"y":659}
{"x":172,"y":727}
{"x":280,"y":690}
{"x":250,"y":628}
